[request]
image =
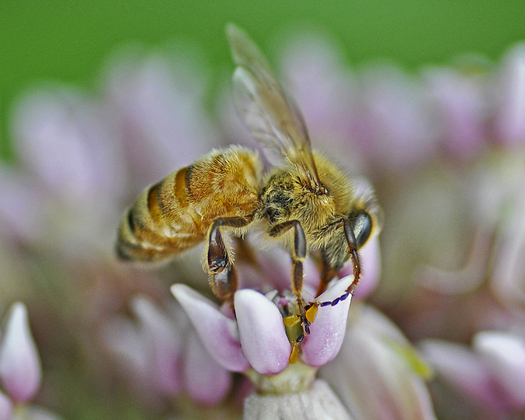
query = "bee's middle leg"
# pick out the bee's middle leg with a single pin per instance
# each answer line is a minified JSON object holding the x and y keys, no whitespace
{"x":328,"y":270}
{"x":223,"y":274}
{"x":298,"y":257}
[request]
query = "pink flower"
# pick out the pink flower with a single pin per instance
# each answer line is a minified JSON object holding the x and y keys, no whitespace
{"x":6,"y":407}
{"x":163,"y":355}
{"x":489,"y":375}
{"x":461,"y":110}
{"x":509,"y":92}
{"x":159,"y":106}
{"x":20,"y":370}
{"x":256,"y":337}
{"x":377,"y":374}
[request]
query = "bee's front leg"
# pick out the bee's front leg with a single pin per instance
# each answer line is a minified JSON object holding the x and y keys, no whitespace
{"x":223,"y":274}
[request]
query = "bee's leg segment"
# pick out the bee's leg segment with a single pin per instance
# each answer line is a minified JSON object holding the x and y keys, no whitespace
{"x":223,"y":274}
{"x":354,"y":256}
{"x":298,"y":256}
{"x":224,"y":284}
{"x":329,"y":272}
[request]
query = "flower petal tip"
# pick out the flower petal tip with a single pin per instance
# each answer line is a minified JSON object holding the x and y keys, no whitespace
{"x":6,"y":407}
{"x":327,"y":332}
{"x":20,"y":370}
{"x":217,"y":332}
{"x":261,"y":329}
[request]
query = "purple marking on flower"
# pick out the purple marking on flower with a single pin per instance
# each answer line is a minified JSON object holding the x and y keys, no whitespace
{"x":6,"y":407}
{"x":206,"y":381}
{"x":261,"y":329}
{"x":20,"y":371}
{"x":217,"y":332}
{"x":327,"y":332}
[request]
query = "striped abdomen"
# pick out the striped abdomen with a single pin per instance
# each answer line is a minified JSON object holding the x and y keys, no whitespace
{"x":175,"y":214}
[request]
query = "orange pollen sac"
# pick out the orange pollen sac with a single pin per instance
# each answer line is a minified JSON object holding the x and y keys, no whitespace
{"x":294,"y":355}
{"x":292,"y":320}
{"x":311,"y":312}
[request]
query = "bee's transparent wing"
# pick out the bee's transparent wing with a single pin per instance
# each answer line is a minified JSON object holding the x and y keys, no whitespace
{"x":271,"y":117}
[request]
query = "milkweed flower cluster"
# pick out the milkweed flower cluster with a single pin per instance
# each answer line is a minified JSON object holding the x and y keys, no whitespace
{"x":211,"y":341}
{"x":444,"y":149}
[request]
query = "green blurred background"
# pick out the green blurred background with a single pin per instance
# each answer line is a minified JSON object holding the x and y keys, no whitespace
{"x":69,"y":41}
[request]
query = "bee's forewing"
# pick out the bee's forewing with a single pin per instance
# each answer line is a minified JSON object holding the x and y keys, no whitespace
{"x":271,"y":117}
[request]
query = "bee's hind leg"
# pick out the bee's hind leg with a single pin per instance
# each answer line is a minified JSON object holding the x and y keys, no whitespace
{"x":223,"y":274}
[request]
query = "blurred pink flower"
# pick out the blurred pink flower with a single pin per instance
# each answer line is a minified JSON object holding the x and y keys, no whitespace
{"x":20,"y":370}
{"x":6,"y":407}
{"x":78,"y":166}
{"x":163,"y":356}
{"x":509,"y":90}
{"x":489,"y":375}
{"x":326,"y":91}
{"x":459,"y":108}
{"x":376,"y":374}
{"x":159,"y":106}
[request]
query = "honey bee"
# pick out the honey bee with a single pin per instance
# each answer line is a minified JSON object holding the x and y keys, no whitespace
{"x":306,"y":201}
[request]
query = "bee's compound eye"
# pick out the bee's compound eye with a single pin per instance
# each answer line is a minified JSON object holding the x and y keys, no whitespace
{"x":362,"y":228}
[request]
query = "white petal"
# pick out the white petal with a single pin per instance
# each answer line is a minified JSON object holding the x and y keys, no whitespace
{"x":327,"y":332}
{"x":217,"y":332}
{"x":505,"y":354}
{"x":206,"y":381}
{"x":20,"y":370}
{"x":461,"y":367}
{"x":164,"y":340}
{"x":262,"y":333}
{"x":510,"y":121}
{"x":6,"y":407}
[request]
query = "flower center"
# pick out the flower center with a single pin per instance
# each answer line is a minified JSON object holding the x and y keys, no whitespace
{"x":295,"y":378}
